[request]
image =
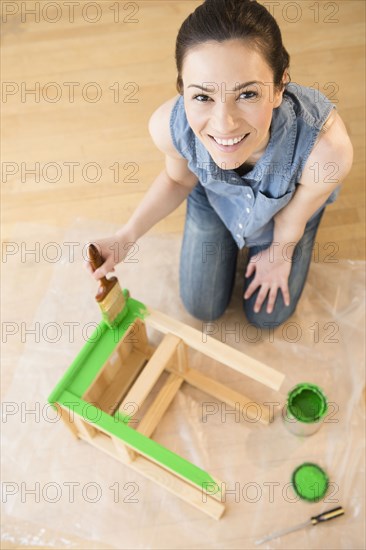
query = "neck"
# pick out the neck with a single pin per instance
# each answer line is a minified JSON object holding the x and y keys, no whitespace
{"x":256,"y":155}
{"x":244,"y":168}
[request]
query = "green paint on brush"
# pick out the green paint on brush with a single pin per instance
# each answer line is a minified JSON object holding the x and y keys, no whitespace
{"x":115,"y":321}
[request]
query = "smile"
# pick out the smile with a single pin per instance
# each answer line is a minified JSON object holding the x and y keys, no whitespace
{"x":228,"y":144}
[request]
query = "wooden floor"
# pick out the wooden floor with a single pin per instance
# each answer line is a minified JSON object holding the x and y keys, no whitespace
{"x":130,"y":64}
{"x":92,"y":156}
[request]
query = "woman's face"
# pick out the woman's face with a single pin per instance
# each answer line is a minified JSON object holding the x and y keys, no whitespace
{"x":216,"y":108}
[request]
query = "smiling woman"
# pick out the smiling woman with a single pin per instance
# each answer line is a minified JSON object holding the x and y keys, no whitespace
{"x":240,"y":143}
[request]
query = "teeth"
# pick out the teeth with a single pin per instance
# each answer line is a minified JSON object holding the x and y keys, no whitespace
{"x":228,"y":141}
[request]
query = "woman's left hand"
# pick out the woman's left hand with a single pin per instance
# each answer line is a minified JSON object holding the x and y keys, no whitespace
{"x":271,"y":274}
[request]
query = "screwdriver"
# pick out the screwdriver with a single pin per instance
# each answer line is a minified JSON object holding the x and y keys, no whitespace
{"x":314,"y":520}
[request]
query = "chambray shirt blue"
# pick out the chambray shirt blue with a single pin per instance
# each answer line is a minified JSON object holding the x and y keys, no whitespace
{"x":247,"y":204}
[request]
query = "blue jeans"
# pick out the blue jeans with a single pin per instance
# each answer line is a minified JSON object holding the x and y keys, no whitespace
{"x":208,"y":266}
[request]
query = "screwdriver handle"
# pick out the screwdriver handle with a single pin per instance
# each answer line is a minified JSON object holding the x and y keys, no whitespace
{"x":326,"y":516}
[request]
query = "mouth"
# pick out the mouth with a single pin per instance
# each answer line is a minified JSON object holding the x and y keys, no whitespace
{"x":229,"y":145}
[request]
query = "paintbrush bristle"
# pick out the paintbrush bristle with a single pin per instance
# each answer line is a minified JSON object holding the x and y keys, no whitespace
{"x":113,"y":306}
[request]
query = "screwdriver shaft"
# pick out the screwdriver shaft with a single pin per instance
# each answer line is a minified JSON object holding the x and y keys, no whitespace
{"x":277,"y":534}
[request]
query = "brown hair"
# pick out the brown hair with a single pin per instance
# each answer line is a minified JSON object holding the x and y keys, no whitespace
{"x":220,"y":20}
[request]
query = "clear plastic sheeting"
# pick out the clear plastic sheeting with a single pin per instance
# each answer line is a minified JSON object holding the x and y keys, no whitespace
{"x":62,"y":493}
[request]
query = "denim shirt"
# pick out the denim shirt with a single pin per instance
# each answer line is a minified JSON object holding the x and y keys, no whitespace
{"x":247,"y":204}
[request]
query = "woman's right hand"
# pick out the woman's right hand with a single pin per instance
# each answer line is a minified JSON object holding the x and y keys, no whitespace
{"x":113,"y":251}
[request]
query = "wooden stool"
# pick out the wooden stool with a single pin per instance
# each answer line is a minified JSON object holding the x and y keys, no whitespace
{"x":117,"y":369}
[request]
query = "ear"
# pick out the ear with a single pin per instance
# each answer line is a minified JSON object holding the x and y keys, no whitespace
{"x":278,"y":99}
{"x":279,"y":95}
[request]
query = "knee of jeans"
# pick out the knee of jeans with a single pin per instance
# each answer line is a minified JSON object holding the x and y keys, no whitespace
{"x":201,"y":311}
{"x":262,"y":319}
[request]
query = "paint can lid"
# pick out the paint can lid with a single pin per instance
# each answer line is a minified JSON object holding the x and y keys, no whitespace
{"x":310,"y":482}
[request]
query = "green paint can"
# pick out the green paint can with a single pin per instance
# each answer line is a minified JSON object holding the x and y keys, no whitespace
{"x":305,"y":409}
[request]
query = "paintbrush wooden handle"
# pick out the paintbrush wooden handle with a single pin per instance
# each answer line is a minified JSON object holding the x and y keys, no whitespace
{"x":105,"y":285}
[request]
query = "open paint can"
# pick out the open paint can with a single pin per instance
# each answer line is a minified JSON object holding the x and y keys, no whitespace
{"x":305,"y":409}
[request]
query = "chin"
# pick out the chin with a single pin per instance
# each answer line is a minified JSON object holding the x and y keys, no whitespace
{"x":227,"y":164}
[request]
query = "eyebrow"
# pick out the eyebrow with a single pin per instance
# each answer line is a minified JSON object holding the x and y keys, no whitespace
{"x":236,"y":88}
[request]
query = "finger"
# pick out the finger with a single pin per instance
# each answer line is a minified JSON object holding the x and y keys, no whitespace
{"x":251,"y":288}
{"x":285,"y":294}
{"x":87,"y":266}
{"x":250,"y":269}
{"x":261,"y":297}
{"x":271,"y":298}
{"x":101,"y":271}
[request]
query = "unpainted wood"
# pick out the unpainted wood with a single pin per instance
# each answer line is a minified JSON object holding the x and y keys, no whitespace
{"x":204,"y":501}
{"x":215,"y":349}
{"x":65,"y":417}
{"x":106,"y":444}
{"x":249,"y":408}
{"x":159,"y":361}
{"x":85,"y":428}
{"x":182,"y":357}
{"x":120,"y":370}
{"x":126,"y":454}
{"x":108,"y":397}
{"x":160,"y":404}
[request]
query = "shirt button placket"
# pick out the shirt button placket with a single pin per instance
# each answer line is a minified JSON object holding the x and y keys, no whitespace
{"x":249,"y":197}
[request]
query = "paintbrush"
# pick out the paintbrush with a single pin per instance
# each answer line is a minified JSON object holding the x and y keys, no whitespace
{"x":110,"y":297}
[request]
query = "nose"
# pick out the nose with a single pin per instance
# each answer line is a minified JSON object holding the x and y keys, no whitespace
{"x":224,"y":118}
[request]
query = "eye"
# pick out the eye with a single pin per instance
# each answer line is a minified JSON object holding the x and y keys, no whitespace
{"x":201,"y":95}
{"x":253,"y":94}
{"x":205,"y":98}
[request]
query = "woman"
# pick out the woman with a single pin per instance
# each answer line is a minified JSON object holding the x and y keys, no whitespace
{"x":253,"y":154}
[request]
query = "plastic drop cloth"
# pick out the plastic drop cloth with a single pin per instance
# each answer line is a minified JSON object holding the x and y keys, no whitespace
{"x":62,"y":493}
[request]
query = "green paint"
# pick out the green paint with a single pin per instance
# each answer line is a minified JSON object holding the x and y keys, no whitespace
{"x":81,"y":373}
{"x":137,"y":441}
{"x":310,"y":482}
{"x":121,"y":417}
{"x":307,"y":403}
{"x":117,"y":320}
{"x":96,"y":351}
